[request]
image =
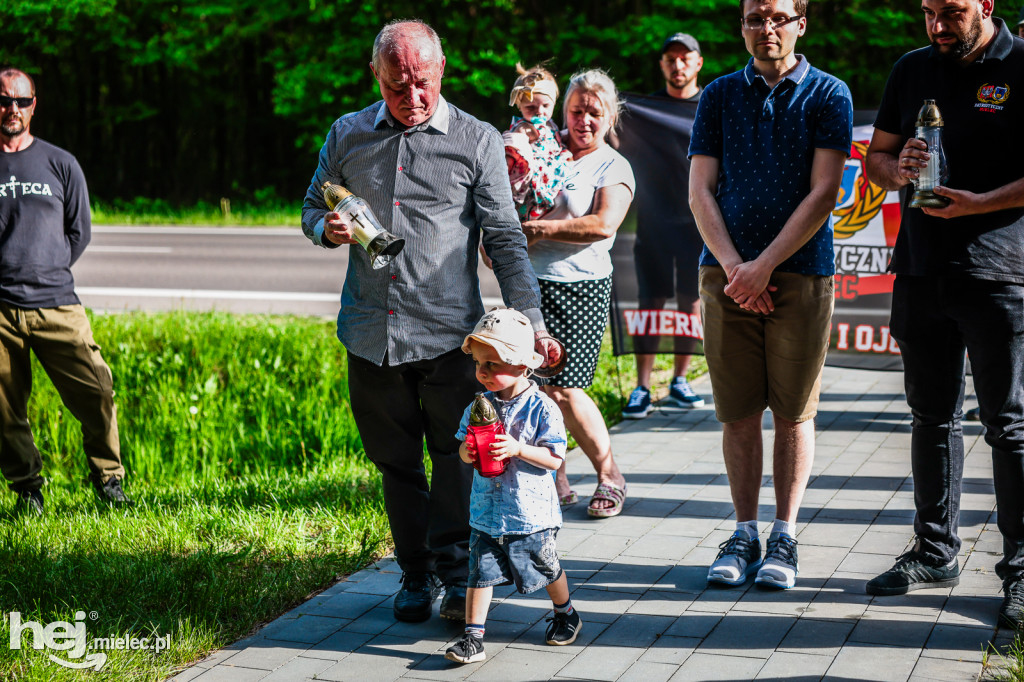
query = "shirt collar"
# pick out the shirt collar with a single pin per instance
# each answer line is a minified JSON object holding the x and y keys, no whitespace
{"x":439,"y":121}
{"x":506,"y":404}
{"x":796,"y":76}
{"x":999,"y":48}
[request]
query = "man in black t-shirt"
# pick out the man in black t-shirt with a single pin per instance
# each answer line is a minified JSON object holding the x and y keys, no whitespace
{"x":44,"y":227}
{"x":959,"y":282}
{"x":666,"y":254}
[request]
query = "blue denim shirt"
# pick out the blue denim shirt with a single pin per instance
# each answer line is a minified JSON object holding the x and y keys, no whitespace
{"x":521,"y":500}
{"x":765,"y":139}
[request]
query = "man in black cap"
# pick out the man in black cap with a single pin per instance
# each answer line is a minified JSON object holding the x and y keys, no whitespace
{"x":660,"y":247}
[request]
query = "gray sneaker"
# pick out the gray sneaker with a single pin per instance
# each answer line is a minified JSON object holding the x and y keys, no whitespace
{"x":682,"y":395}
{"x":738,"y":558}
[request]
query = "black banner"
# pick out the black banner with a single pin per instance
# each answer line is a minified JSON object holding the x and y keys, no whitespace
{"x":647,"y":317}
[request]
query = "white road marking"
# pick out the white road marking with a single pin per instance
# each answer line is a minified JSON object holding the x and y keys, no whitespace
{"x":130,"y":249}
{"x":130,"y":292}
{"x":201,"y":231}
{"x":134,"y":292}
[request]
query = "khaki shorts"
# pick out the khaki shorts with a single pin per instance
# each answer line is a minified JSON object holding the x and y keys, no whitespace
{"x":758,"y":361}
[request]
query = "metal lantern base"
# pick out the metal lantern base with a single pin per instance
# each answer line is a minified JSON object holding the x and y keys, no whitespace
{"x":928,"y":199}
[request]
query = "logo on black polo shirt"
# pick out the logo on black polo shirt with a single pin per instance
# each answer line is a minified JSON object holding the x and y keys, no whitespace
{"x":991,"y":97}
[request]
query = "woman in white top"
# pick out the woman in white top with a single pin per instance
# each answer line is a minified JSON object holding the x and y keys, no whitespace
{"x":569,"y":250}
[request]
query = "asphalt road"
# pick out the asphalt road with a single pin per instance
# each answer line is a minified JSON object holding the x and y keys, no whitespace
{"x":232,"y":269}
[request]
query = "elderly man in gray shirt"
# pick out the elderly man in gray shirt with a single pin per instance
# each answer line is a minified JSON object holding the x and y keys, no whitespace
{"x":436,"y":177}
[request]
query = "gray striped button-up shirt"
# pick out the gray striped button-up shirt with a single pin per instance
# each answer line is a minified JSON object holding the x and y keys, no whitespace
{"x":437,"y":185}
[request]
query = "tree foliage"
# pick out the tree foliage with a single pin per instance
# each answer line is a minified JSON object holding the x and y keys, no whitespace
{"x":197,"y":99}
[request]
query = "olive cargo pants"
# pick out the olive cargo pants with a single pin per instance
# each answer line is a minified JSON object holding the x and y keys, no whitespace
{"x":61,"y":339}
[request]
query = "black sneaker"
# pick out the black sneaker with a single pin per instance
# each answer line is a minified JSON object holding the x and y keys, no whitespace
{"x":414,"y":600}
{"x":564,"y":628}
{"x":29,"y":502}
{"x":914,"y":571}
{"x":469,"y":649}
{"x":1011,"y":613}
{"x":112,"y":493}
{"x":453,"y":603}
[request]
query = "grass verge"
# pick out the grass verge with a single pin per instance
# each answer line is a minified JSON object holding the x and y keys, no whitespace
{"x":251,"y":485}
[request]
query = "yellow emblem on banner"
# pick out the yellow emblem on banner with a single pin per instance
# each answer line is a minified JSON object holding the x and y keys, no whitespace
{"x":859,"y":199}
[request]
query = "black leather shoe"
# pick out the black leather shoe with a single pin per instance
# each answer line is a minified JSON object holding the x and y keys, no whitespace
{"x":414,"y":600}
{"x":111,"y":492}
{"x":453,"y":604}
{"x":913,"y":571}
{"x":1011,"y":613}
{"x":29,"y":502}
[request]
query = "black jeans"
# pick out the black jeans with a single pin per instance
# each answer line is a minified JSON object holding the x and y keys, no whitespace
{"x":395,"y":408}
{"x":935,"y":320}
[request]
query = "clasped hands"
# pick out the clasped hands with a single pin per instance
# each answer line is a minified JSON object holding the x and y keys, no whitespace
{"x":748,"y":286}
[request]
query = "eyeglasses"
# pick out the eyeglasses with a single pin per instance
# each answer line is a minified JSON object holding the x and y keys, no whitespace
{"x":756,"y":23}
{"x":23,"y":102}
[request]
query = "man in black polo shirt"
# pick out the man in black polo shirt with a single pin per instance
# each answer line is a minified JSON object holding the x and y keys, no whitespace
{"x":959,"y":282}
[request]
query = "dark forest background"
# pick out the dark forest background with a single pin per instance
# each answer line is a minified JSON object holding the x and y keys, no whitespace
{"x":183,"y":100}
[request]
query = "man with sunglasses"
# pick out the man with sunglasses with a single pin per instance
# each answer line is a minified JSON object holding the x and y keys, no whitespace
{"x":435,"y":176}
{"x":44,"y":227}
{"x":767,"y":153}
{"x":959,"y":284}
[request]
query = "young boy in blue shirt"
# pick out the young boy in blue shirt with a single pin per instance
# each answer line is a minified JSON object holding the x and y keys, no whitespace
{"x":514,"y":516}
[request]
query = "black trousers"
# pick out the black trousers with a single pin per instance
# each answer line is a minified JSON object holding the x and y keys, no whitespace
{"x":396,"y":407}
{"x":935,"y":320}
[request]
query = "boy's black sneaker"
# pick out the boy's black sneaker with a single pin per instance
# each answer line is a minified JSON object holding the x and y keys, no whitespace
{"x":111,"y":492}
{"x":914,"y":571}
{"x":414,"y":601}
{"x":469,"y":649}
{"x":564,"y":628}
{"x":29,"y":502}
{"x":1011,"y":613}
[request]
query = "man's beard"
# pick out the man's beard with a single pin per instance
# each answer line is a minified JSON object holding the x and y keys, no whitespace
{"x":13,"y":127}
{"x":965,"y":45}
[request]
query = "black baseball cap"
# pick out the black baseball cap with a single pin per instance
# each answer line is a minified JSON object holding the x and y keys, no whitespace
{"x":684,"y":39}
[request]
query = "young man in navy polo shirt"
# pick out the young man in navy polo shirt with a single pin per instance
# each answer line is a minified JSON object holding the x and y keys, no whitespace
{"x":959,"y":282}
{"x":767,"y":153}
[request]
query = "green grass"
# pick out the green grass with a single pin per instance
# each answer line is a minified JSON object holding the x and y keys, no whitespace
{"x":263,"y":210}
{"x":253,"y":491}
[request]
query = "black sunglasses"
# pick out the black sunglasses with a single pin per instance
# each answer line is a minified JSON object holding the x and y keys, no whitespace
{"x":23,"y":102}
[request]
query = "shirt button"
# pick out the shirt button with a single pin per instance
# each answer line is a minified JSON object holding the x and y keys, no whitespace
{"x":398,"y":203}
{"x":400,"y":169}
{"x":391,"y":312}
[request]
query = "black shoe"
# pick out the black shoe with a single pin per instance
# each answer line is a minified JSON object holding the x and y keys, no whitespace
{"x":1011,"y":613}
{"x":914,"y":571}
{"x":29,"y":502}
{"x":453,"y":603}
{"x":414,"y":600}
{"x":112,"y":493}
{"x":469,"y":649}
{"x":973,"y":414}
{"x":564,"y":628}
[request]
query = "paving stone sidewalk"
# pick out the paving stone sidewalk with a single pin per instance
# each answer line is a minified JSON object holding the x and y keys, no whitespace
{"x":638,"y":580}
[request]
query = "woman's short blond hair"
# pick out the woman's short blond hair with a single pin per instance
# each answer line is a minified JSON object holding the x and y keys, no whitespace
{"x":598,"y":83}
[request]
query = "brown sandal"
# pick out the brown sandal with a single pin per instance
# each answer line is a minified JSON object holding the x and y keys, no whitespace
{"x":611,"y":493}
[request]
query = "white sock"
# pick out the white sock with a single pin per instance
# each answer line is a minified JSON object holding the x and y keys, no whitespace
{"x":748,"y":527}
{"x":781,"y":526}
